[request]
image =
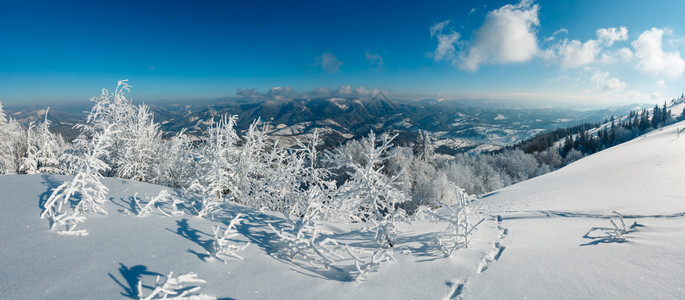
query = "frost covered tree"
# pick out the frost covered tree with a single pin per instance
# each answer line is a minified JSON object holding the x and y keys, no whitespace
{"x":3,"y":116}
{"x":316,"y":187}
{"x":29,"y":163}
{"x":216,"y":174}
{"x":63,"y":207}
{"x":139,"y":157}
{"x":113,"y":111}
{"x":13,"y":146}
{"x":423,"y":148}
{"x":369,"y":195}
{"x":176,"y":161}
{"x":50,"y":147}
{"x":5,"y":148}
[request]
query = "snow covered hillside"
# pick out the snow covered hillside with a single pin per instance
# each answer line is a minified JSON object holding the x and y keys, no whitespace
{"x":549,"y":237}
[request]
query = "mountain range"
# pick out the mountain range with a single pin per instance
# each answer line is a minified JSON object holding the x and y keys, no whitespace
{"x":456,"y":125}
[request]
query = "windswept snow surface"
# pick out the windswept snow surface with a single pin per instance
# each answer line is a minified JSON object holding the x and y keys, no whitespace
{"x":537,"y":241}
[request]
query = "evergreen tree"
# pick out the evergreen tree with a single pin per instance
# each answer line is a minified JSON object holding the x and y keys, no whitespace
{"x":665,"y":114}
{"x":656,"y":117}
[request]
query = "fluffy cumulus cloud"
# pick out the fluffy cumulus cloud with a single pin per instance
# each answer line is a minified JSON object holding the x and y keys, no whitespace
{"x":574,"y":53}
{"x":606,"y":83}
{"x":375,"y":60}
{"x":507,"y":36}
{"x":652,"y":58}
{"x":328,"y":62}
{"x":608,"y":36}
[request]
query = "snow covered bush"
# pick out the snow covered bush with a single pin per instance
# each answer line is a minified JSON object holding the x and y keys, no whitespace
{"x":369,"y":195}
{"x":139,"y":157}
{"x":222,"y":244}
{"x":12,"y":144}
{"x":50,"y":147}
{"x":216,"y":175}
{"x":85,"y":183}
{"x":306,"y":243}
{"x":171,"y":287}
{"x":176,"y":163}
{"x":151,"y":203}
{"x":29,"y":163}
{"x":614,"y":233}
{"x":459,"y":222}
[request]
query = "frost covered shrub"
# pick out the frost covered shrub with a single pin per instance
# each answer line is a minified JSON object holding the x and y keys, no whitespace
{"x":216,"y":175}
{"x":369,"y":196}
{"x":29,"y":163}
{"x":12,"y":144}
{"x":135,"y":137}
{"x":171,"y":287}
{"x":139,"y":158}
{"x":176,"y":161}
{"x":43,"y":149}
{"x":50,"y":148}
{"x":222,"y":244}
{"x":86,"y":183}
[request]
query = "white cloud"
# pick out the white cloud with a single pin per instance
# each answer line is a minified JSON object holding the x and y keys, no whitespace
{"x":363,"y":92}
{"x":281,"y":93}
{"x":446,"y":47}
{"x":507,"y":36}
{"x":651,"y":57}
{"x":608,"y":36}
{"x":328,"y":62}
{"x":554,"y":35}
{"x":572,"y":54}
{"x":661,"y":83}
{"x":606,"y":83}
{"x":438,"y":27}
{"x":345,"y":90}
{"x":247,"y":92}
{"x":321,"y":92}
{"x":375,"y":60}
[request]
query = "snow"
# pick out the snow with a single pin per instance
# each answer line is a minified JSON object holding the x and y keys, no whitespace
{"x":535,"y":241}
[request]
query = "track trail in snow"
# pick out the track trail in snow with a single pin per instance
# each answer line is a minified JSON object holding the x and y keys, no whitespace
{"x":533,"y":214}
{"x":457,"y":288}
{"x":497,"y":247}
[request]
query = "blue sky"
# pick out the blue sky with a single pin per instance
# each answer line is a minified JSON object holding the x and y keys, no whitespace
{"x":588,"y":52}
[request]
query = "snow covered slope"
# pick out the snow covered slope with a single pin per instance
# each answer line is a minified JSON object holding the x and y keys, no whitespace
{"x":537,"y":241}
{"x":551,"y":250}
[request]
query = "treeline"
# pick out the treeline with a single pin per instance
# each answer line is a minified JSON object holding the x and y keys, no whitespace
{"x":543,"y":153}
